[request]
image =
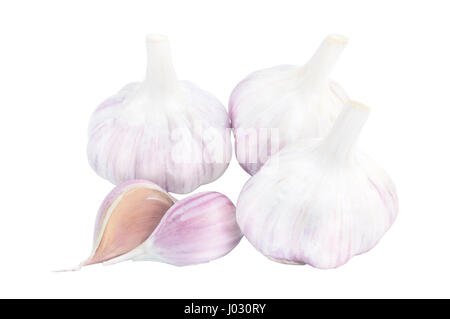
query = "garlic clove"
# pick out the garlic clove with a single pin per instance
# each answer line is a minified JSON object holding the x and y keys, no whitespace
{"x":319,"y":201}
{"x":205,"y":227}
{"x":140,"y":221}
{"x":274,"y":107}
{"x":161,"y":129}
{"x":129,"y":221}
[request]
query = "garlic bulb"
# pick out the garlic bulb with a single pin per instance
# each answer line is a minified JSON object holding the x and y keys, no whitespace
{"x":274,"y":107}
{"x":319,"y":201}
{"x":138,"y":220}
{"x":162,"y":129}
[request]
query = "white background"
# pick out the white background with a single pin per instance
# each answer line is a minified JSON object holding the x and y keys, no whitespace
{"x":60,"y":59}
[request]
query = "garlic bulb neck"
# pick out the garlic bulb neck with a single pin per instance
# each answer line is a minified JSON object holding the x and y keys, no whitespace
{"x":322,"y":62}
{"x":161,"y":80}
{"x":339,"y":145}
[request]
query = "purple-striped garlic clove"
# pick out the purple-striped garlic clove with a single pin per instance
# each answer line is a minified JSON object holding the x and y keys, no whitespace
{"x":319,"y":201}
{"x":161,"y":129}
{"x":138,"y":220}
{"x":275,"y":107}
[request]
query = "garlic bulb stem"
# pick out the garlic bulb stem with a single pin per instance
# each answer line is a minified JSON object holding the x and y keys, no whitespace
{"x":340,"y":143}
{"x":322,"y":62}
{"x":161,"y":80}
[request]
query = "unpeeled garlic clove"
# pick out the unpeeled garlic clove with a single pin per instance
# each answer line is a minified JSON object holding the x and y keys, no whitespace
{"x":163,"y":130}
{"x":140,"y":221}
{"x":274,"y":107}
{"x":319,"y":201}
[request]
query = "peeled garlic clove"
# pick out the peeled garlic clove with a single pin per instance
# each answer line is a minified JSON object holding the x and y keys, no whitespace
{"x":140,"y":221}
{"x":319,"y":201}
{"x":161,"y":129}
{"x":274,"y":107}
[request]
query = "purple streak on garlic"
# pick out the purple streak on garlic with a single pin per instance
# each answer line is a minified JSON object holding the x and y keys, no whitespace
{"x":319,"y":201}
{"x":163,"y":130}
{"x":138,"y":220}
{"x":291,"y":102}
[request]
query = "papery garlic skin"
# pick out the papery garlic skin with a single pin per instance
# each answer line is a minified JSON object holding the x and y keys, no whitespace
{"x":163,"y":130}
{"x":274,"y":107}
{"x":319,"y":201}
{"x":197,"y":229}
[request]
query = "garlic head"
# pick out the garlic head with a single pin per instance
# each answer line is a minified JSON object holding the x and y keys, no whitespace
{"x":319,"y":201}
{"x":274,"y":107}
{"x":163,"y":130}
